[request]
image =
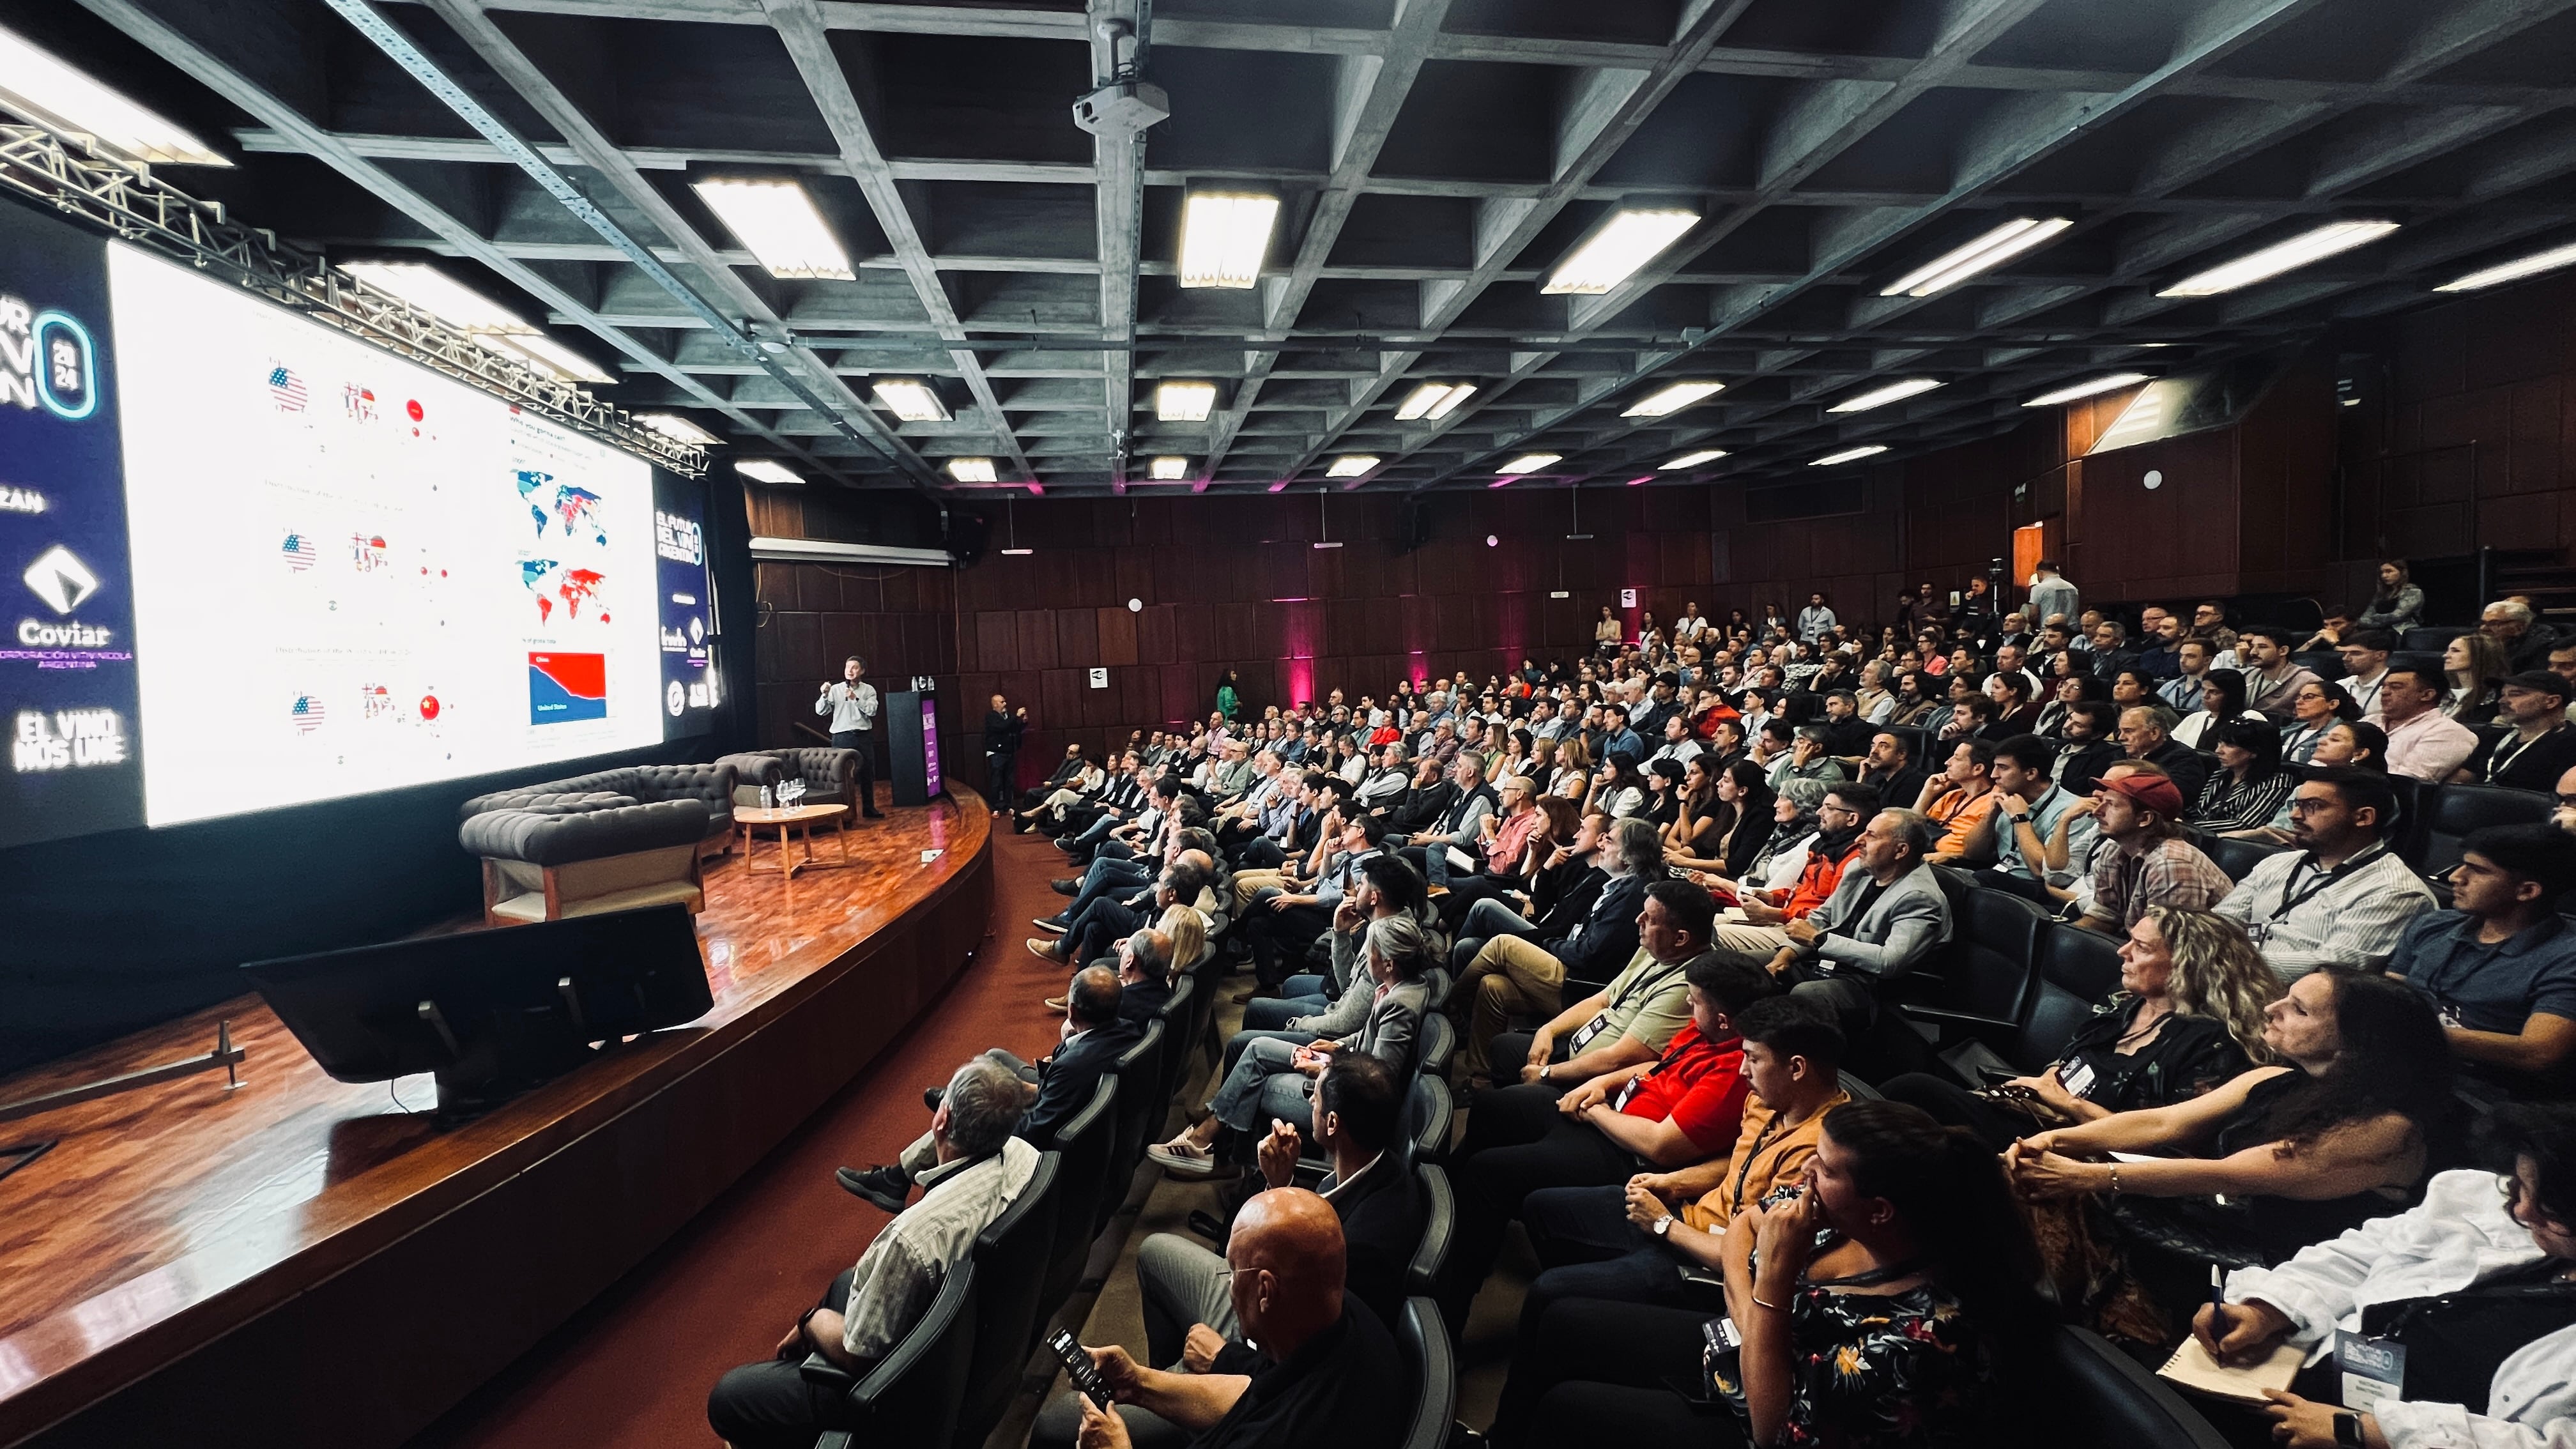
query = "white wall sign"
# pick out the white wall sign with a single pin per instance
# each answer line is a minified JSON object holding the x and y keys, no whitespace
{"x":1627,"y":598}
{"x":1100,"y":679}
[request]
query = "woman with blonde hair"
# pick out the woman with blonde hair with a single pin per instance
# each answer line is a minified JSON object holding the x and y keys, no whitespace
{"x":2188,"y":1016}
{"x":1188,"y":932}
{"x":2473,"y":666}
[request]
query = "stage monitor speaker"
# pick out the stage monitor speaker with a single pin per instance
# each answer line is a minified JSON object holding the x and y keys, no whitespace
{"x":964,"y":533}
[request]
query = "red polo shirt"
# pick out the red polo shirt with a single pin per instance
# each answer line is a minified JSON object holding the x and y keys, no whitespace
{"x":1700,"y":1085}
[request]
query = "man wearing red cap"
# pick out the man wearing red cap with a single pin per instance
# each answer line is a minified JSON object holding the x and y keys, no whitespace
{"x":2152,"y":864}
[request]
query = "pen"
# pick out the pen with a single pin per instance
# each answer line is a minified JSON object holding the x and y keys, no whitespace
{"x":2217,"y":1289}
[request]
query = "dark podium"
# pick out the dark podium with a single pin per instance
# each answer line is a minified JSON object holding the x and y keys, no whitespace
{"x":912,"y":745}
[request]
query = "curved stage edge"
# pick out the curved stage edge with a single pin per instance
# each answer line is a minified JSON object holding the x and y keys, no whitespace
{"x":300,"y":1261}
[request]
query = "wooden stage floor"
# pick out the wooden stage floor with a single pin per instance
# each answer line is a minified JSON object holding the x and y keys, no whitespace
{"x":271,"y":1264}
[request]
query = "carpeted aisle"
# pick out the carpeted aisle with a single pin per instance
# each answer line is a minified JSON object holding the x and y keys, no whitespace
{"x":633,"y":1370}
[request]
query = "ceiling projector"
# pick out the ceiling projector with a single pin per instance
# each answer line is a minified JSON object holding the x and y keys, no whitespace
{"x":1122,"y":108}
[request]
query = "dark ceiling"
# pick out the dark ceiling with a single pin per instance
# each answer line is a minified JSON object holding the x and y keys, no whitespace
{"x":1435,"y":158}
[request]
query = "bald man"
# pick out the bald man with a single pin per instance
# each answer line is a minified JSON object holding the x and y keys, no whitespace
{"x":1327,"y":1371}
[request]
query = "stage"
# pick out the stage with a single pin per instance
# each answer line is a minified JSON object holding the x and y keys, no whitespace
{"x":303,"y":1261}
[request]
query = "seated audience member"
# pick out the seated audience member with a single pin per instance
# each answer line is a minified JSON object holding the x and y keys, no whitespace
{"x":2152,"y":862}
{"x":1273,"y":1079}
{"x":1682,"y":1106}
{"x":1024,"y":818}
{"x":1144,"y":977}
{"x":2450,"y":1279}
{"x":977,"y":1166}
{"x":2473,"y":669}
{"x":1891,"y":769}
{"x":2089,"y":744}
{"x":1887,"y":1302}
{"x":2541,"y":746}
{"x":1326,"y":1371}
{"x":1631,"y":1018}
{"x":2423,"y":742}
{"x":2518,"y":631}
{"x":2249,"y":787}
{"x":2027,"y":810}
{"x":2398,"y":604}
{"x":1515,"y":975}
{"x":1724,"y":818}
{"x":1633,"y":1241}
{"x":1886,"y":915}
{"x":2193,"y":659}
{"x":1961,"y":804}
{"x":2272,"y":677}
{"x":1106,"y":919}
{"x":1832,"y":834}
{"x":2188,"y":1015}
{"x":2341,"y":1133}
{"x":2146,"y":733}
{"x":1281,"y":924}
{"x":1782,"y":853}
{"x":2343,"y":896}
{"x":2316,"y":709}
{"x":2500,"y":965}
{"x":1460,"y":827}
{"x":1309,"y":1006}
{"x":2365,"y":667}
{"x":2221,"y":698}
{"x":1092,"y":1037}
{"x":1358,"y":1103}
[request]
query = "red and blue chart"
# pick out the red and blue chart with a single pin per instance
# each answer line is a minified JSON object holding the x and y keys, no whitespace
{"x":565,"y":687}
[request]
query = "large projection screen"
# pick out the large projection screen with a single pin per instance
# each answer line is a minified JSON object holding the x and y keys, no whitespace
{"x":353,"y":574}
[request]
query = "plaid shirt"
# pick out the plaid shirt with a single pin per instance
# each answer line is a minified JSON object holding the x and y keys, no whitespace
{"x":2169,"y":872}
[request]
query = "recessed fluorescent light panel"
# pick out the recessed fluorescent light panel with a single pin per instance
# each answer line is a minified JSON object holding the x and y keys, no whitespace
{"x":1879,"y":397}
{"x":1350,"y":465}
{"x":971,"y":470}
{"x":2094,"y":388}
{"x":678,"y":429}
{"x":39,"y":85}
{"x":2530,"y":266}
{"x":2279,"y":257}
{"x":777,"y":222}
{"x":1692,"y":460}
{"x":1988,"y":251}
{"x":1184,"y":402}
{"x":764,"y":470}
{"x":910,"y":399}
{"x":1849,"y":455}
{"x":1224,"y":236}
{"x":1434,"y":400}
{"x":1169,"y":470}
{"x":1628,"y":240}
{"x":1672,"y":399}
{"x":1529,"y":463}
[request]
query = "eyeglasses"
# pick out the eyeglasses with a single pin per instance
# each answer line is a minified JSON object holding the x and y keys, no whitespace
{"x":2307,"y":807}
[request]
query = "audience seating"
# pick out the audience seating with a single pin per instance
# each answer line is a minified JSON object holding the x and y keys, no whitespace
{"x":1174,"y":1015}
{"x":2433,"y":638}
{"x":1859,"y":1090}
{"x":1082,"y":1146}
{"x":1439,"y":1223}
{"x":1010,"y":1258}
{"x":2108,"y":1400}
{"x":1425,"y":1340}
{"x":914,"y":1395}
{"x":2078,"y":970}
{"x":2236,"y":857}
{"x":1439,"y":1041}
{"x":2452,"y":811}
{"x":1428,"y":1114}
{"x":1919,"y":743}
{"x":1140,"y":1112}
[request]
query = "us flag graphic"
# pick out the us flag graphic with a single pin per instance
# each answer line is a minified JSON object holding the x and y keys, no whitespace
{"x":306,"y":714}
{"x":299,"y":552}
{"x":286,"y":389}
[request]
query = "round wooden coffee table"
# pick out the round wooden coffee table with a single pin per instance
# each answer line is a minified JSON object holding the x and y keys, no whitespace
{"x":802,"y":818}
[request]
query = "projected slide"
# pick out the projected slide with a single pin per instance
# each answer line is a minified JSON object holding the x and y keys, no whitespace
{"x":351,"y":573}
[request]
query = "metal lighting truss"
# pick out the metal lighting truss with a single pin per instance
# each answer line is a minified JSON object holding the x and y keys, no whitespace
{"x":71,"y":178}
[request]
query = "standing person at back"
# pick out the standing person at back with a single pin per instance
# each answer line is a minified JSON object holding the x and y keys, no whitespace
{"x":852,"y":703}
{"x":2053,"y":595}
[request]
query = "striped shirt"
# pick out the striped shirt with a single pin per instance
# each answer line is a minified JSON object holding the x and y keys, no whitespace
{"x":2301,"y":917}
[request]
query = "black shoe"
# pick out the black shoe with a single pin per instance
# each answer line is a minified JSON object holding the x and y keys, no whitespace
{"x":1065,"y":887}
{"x":930,"y":1097}
{"x":887,"y":1187}
{"x":1205,"y":1224}
{"x":875,"y":815}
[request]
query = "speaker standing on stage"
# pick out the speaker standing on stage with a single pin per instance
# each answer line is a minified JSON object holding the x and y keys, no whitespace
{"x":1002,"y":730}
{"x":852,"y":704}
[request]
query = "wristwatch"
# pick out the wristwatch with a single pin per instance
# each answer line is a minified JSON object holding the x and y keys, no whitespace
{"x":1663,"y":1225}
{"x":2022,"y":819}
{"x":2347,"y":1430}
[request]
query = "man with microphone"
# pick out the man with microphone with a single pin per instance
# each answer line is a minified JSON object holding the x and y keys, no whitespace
{"x":852,"y":703}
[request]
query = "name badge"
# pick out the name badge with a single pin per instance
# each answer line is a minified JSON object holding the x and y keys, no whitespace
{"x":2373,"y":1369}
{"x":1585,"y":1033}
{"x":2077,"y":1079}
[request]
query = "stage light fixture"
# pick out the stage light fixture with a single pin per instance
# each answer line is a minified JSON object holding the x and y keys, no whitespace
{"x":678,"y":429}
{"x":1849,"y":455}
{"x":764,"y":470}
{"x":2503,"y":272}
{"x":1692,"y":460}
{"x":2110,"y":382}
{"x":1613,"y":253}
{"x":42,"y":87}
{"x":1672,"y":399}
{"x":1350,"y":465}
{"x":910,"y":399}
{"x":1530,"y":463}
{"x":1986,"y":252}
{"x":2281,"y":256}
{"x":1224,"y":236}
{"x":1184,"y":402}
{"x":1169,"y":470}
{"x":778,"y":223}
{"x":972,"y":470}
{"x":1879,"y":397}
{"x":1434,"y":400}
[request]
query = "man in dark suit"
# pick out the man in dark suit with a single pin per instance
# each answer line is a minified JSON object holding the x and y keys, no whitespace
{"x":1357,"y":1112}
{"x":1093,"y":1037}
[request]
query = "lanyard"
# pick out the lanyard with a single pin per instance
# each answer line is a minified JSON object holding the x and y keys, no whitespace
{"x":2510,"y":748}
{"x":1759,"y":1141}
{"x":2288,"y":903}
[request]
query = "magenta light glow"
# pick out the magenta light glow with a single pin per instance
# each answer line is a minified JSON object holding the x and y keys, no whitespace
{"x":1633,"y":482}
{"x":1276,"y":487}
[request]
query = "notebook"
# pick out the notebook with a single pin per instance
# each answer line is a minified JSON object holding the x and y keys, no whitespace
{"x":2192,"y":1368}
